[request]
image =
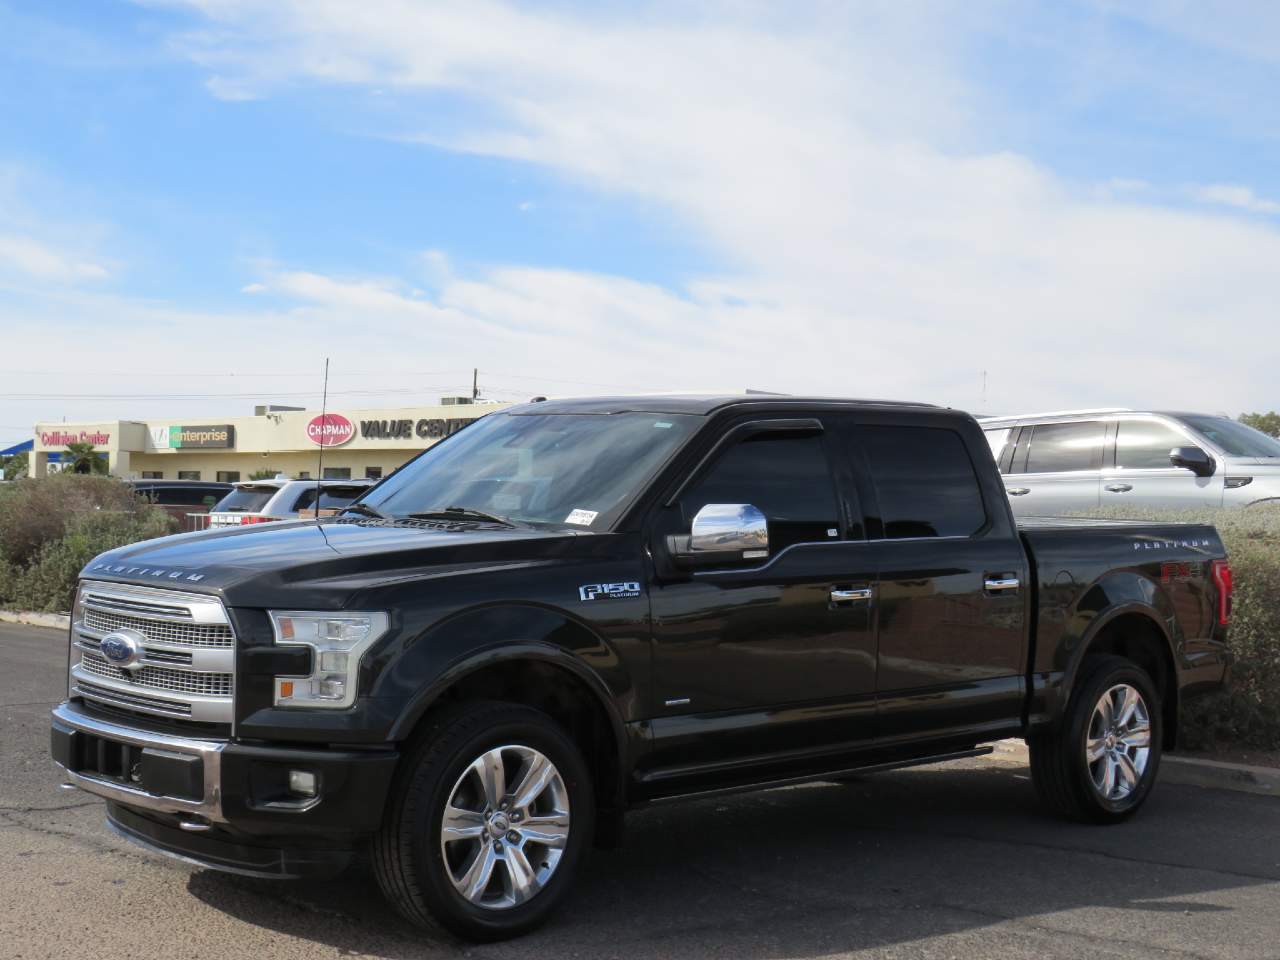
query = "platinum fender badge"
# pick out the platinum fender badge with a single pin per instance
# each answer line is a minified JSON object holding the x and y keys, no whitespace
{"x":122,"y":648}
{"x":609,"y":591}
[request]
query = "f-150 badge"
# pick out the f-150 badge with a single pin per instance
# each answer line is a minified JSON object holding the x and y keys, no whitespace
{"x":609,"y":591}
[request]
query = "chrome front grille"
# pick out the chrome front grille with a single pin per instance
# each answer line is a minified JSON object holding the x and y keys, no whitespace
{"x":167,"y":631}
{"x":160,"y":678}
{"x":184,"y":649}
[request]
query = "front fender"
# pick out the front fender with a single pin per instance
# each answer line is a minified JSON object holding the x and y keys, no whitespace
{"x":475,"y":639}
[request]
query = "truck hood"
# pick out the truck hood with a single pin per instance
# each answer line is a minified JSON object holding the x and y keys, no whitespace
{"x":322,"y":564}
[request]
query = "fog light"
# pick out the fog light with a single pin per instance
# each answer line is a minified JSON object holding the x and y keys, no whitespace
{"x":302,"y":782}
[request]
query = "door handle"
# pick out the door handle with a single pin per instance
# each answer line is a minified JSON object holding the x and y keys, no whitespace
{"x":1002,"y":584}
{"x":850,"y":594}
{"x":1017,"y":491}
{"x":1119,"y":487}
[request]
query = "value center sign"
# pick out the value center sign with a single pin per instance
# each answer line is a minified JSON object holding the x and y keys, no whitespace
{"x":330,"y":430}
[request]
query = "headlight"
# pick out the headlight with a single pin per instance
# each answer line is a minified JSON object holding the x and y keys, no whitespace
{"x":337,"y":642}
{"x":77,"y":618}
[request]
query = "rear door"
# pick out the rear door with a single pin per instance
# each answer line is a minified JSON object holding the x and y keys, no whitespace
{"x":952,"y":580}
{"x":1056,"y":468}
{"x":1139,"y":473}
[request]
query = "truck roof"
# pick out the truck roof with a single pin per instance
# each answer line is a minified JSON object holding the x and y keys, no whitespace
{"x":699,"y":404}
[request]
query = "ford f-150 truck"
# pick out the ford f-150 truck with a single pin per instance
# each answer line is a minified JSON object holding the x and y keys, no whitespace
{"x":576,"y":607}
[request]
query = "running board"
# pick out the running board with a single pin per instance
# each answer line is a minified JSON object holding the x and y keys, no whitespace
{"x":825,"y":775}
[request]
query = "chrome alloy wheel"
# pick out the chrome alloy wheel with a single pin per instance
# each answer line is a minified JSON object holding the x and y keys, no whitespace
{"x":505,"y":827}
{"x":1119,"y":742}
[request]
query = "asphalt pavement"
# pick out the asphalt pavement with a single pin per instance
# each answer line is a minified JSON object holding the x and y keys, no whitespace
{"x":934,"y":862}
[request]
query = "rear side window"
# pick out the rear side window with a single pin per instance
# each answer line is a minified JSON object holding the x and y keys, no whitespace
{"x":1062,"y":447}
{"x":331,"y":497}
{"x":185,"y":496}
{"x":245,"y":500}
{"x":925,"y":482}
{"x":786,"y":477}
{"x":1145,"y":444}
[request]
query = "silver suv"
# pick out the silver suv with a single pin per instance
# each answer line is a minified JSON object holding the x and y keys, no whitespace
{"x":259,"y":501}
{"x":1055,"y":463}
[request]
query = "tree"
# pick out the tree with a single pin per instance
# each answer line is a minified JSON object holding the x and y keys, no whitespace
{"x":15,"y":466}
{"x":83,"y":458}
{"x":1268,"y":423}
{"x":263,"y":474}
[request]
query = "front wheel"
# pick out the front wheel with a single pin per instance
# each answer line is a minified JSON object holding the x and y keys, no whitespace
{"x":1101,"y":763}
{"x":489,"y":821}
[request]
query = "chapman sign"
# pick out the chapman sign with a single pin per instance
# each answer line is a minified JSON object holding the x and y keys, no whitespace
{"x":330,"y":430}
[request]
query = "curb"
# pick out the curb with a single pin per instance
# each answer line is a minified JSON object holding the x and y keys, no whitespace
{"x":1188,"y":771}
{"x":60,"y":621}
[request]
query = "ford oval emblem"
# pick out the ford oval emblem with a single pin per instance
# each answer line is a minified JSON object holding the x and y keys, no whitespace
{"x":122,"y":648}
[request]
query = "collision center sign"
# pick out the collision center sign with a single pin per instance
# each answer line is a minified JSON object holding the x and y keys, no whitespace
{"x":330,"y":430}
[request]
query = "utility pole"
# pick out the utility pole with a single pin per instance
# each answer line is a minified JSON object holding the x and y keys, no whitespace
{"x":475,"y":383}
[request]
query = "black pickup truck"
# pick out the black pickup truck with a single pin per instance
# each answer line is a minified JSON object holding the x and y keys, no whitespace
{"x":573,"y":608}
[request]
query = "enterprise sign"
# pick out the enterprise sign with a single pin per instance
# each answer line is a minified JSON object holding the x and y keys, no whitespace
{"x":220,"y":436}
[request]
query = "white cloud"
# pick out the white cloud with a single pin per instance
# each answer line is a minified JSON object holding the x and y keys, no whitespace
{"x":1234,"y":195}
{"x":29,"y":256}
{"x":834,"y":159}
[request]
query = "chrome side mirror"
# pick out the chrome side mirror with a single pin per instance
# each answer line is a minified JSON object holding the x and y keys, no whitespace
{"x":726,"y":528}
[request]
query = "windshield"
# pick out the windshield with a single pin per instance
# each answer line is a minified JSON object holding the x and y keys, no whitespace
{"x":575,"y":469}
{"x":1234,"y":437}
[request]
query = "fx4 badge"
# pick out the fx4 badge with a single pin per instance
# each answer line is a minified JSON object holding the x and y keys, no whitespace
{"x":609,"y":591}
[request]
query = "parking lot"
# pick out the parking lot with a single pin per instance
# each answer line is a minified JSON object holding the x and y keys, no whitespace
{"x":932,"y":862}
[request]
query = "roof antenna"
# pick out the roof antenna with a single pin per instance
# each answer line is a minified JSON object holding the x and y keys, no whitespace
{"x":324,"y":437}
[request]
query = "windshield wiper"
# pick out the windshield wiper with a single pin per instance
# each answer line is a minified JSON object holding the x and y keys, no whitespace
{"x":461,"y":513}
{"x":364,"y":508}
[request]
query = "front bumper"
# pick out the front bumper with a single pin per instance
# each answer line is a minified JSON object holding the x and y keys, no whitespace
{"x":221,"y":803}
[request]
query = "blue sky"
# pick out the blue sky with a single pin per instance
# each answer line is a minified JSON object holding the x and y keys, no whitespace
{"x":200,"y":200}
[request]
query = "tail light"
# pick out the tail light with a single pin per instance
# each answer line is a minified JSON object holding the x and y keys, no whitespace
{"x":255,"y":518}
{"x":1222,"y":580}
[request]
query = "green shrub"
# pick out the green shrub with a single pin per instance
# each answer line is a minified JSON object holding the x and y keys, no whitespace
{"x":51,"y":527}
{"x":1247,"y":713}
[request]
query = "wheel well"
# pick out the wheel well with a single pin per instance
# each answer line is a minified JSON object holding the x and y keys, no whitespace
{"x":1136,"y":637}
{"x":563,"y":696}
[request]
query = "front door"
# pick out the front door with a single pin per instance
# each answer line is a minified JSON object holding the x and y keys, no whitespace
{"x":770,"y":661}
{"x":1142,"y":476}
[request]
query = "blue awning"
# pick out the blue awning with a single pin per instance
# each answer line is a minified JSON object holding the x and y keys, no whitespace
{"x":24,"y":447}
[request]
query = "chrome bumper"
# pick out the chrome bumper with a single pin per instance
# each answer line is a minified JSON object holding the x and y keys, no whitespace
{"x":208,"y":809}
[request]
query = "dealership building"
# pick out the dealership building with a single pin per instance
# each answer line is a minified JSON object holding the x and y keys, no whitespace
{"x":354,"y":442}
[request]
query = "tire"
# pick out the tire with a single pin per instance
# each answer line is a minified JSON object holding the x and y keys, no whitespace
{"x":1068,"y":781}
{"x":530,"y":868}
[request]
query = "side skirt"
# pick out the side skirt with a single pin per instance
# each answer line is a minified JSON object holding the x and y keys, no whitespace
{"x":817,"y":777}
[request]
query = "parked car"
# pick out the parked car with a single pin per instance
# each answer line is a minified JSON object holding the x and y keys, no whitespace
{"x":1075,"y":461}
{"x":181,"y":498}
{"x":576,"y":607}
{"x":259,"y":501}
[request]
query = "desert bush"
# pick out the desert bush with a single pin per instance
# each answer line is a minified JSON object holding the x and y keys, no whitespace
{"x":1247,"y":713}
{"x":51,"y":527}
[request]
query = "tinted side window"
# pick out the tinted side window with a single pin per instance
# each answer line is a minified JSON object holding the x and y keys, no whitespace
{"x":1145,"y":444}
{"x":1058,"y":447}
{"x":925,"y":482}
{"x":184,"y":496}
{"x":787,"y":478}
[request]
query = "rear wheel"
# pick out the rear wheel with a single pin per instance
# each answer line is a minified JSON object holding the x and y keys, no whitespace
{"x":1101,"y":763}
{"x":489,"y":821}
